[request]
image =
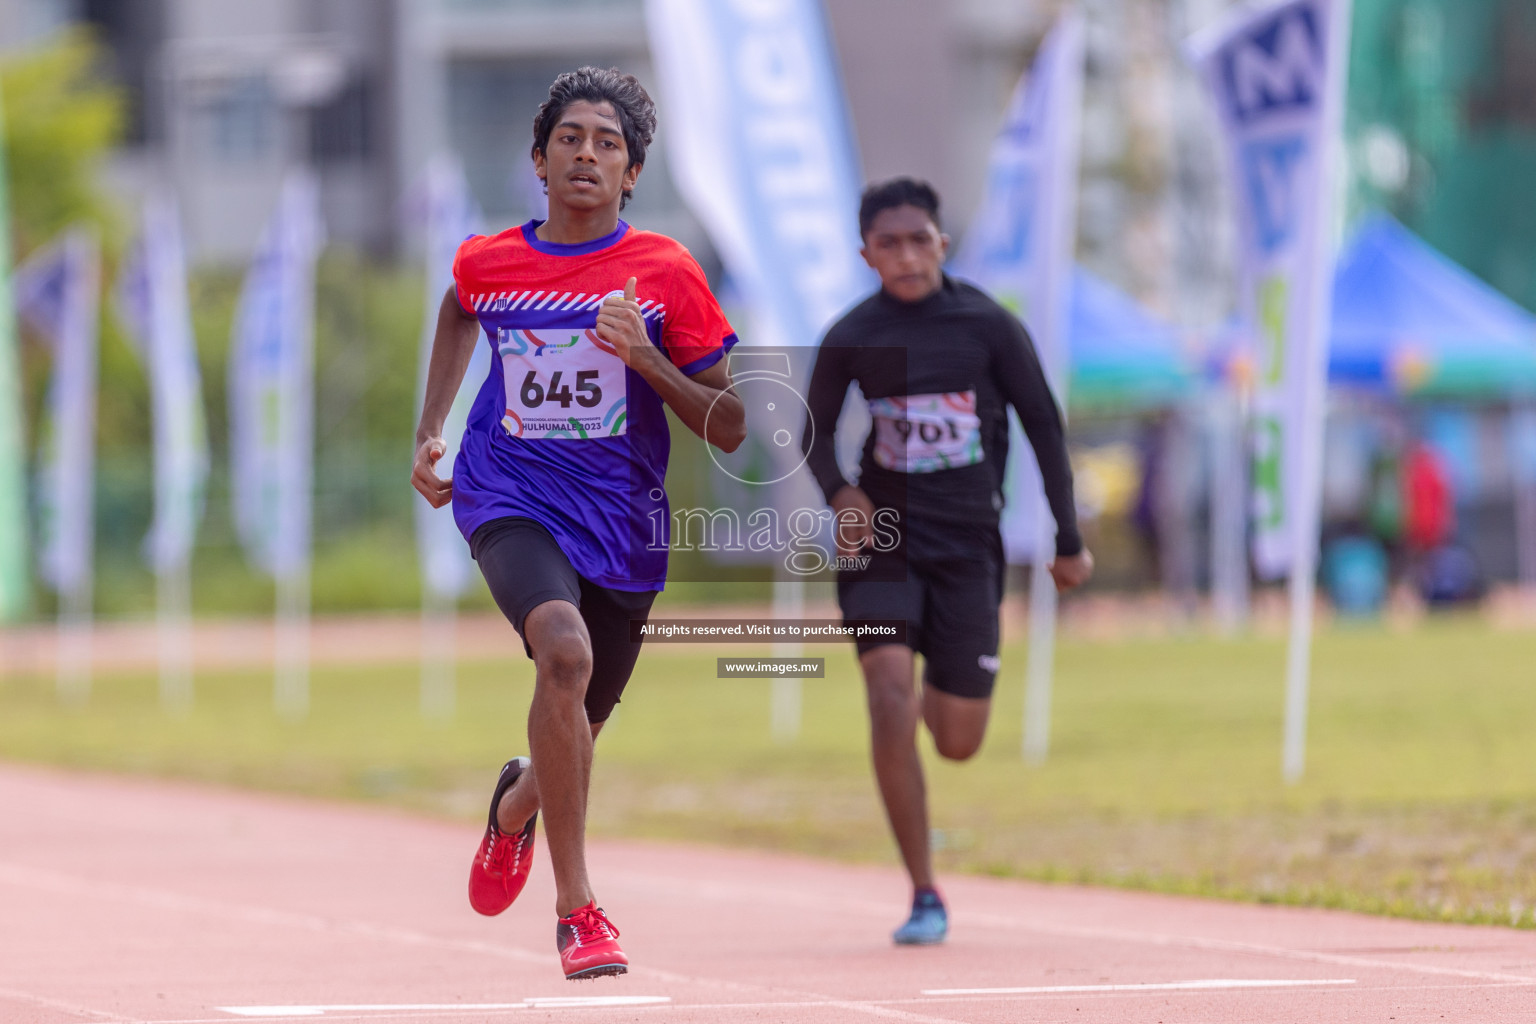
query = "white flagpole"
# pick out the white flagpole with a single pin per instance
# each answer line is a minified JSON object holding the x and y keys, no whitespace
{"x":786,"y":231}
{"x":1278,"y":76}
{"x":1020,"y":247}
{"x":173,"y":632}
{"x":179,"y":438}
{"x":152,"y":295}
{"x":291,"y":646}
{"x":1307,"y":520}
{"x":80,"y":342}
{"x":1041,"y":660}
{"x":787,"y":694}
{"x":1058,"y":206}
{"x":451,"y":215}
{"x":271,"y":400}
{"x":72,"y":324}
{"x":439,"y":642}
{"x":1228,"y":493}
{"x":299,"y":237}
{"x":75,"y":643}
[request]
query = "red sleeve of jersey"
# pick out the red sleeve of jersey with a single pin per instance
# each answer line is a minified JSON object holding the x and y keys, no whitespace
{"x":463,"y":285}
{"x":694,"y":330}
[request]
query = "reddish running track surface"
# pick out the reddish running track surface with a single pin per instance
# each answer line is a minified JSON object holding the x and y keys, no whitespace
{"x":130,"y":900}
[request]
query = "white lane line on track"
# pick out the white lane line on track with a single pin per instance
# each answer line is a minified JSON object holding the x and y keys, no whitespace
{"x":723,"y":1009}
{"x":740,"y":891}
{"x":588,"y":1002}
{"x":162,"y":899}
{"x":532,"y":1003}
{"x":67,"y":884}
{"x":1167,"y":941}
{"x":58,"y":1004}
{"x":54,"y":881}
{"x":1205,"y":984}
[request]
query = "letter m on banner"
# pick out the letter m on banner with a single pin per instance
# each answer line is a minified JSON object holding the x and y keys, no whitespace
{"x":1278,"y":68}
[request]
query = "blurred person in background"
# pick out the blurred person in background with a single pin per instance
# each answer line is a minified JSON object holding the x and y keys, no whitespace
{"x":939,"y":362}
{"x":1429,"y":507}
{"x":1445,"y":571}
{"x":1384,"y":505}
{"x":596,"y":327}
{"x":1147,"y":513}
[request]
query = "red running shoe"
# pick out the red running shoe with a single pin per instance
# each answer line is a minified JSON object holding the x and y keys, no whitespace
{"x":588,"y":944}
{"x":504,"y":859}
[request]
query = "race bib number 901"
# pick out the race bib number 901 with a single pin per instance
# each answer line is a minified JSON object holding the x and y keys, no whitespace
{"x":562,"y":383}
{"x":926,"y":433}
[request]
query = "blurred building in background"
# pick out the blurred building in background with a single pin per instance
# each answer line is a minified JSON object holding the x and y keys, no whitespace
{"x":225,"y":94}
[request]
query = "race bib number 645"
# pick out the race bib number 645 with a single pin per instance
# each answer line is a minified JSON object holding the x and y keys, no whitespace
{"x":562,"y":383}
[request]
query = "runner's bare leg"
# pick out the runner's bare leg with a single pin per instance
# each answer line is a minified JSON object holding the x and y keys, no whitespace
{"x":957,"y":724}
{"x":894,"y":711}
{"x":560,"y":741}
{"x":522,"y":797}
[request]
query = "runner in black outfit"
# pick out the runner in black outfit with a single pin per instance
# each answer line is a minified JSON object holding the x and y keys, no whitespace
{"x":939,"y":363}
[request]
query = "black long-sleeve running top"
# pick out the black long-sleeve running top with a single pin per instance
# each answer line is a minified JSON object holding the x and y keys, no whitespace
{"x":939,"y":375}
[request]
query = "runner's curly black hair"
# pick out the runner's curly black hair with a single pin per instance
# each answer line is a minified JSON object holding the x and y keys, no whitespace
{"x":637,"y":114}
{"x":887,"y":195}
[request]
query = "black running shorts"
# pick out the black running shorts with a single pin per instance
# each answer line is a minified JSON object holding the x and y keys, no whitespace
{"x":951,"y":610}
{"x":524,"y":567}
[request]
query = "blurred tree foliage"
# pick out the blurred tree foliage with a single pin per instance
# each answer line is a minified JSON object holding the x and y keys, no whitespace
{"x":62,"y":117}
{"x":368,"y":320}
{"x":1442,"y":124}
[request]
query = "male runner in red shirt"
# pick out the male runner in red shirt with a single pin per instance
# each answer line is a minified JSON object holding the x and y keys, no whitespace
{"x":595,"y":326}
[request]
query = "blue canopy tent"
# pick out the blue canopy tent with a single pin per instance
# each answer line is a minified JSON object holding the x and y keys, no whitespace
{"x":1407,"y":319}
{"x":1123,"y":359}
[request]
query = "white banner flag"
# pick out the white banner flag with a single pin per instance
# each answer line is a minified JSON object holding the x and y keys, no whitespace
{"x":760,"y":150}
{"x":1277,"y":77}
{"x":152,"y":299}
{"x":1021,"y":241}
{"x":271,"y":386}
{"x":451,"y":216}
{"x":58,"y":293}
